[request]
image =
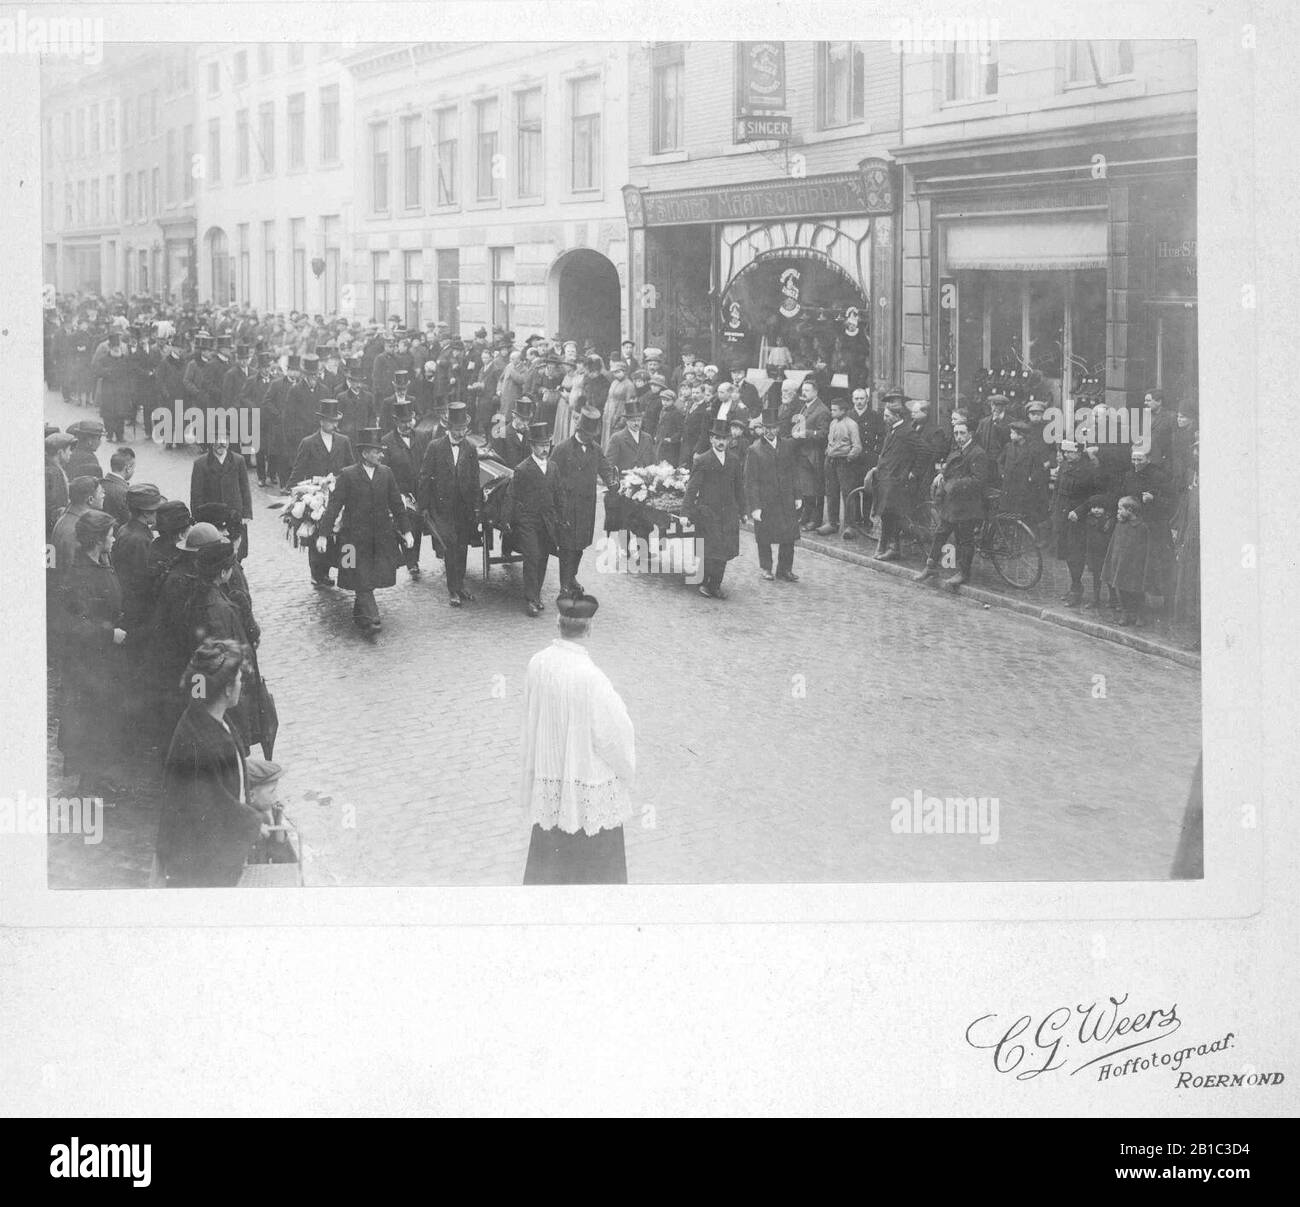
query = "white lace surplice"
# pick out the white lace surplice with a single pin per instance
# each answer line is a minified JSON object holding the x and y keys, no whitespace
{"x":579,"y":756}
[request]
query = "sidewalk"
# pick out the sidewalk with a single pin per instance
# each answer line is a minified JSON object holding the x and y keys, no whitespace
{"x":1043,"y":601}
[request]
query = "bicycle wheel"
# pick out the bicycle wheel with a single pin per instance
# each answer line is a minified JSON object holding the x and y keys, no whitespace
{"x":1014,"y":552}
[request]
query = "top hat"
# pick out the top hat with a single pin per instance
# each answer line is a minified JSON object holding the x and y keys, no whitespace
{"x":355,"y":365}
{"x":539,"y":432}
{"x":143,"y":496}
{"x":323,"y":351}
{"x":403,"y":408}
{"x":243,"y":351}
{"x":224,"y":342}
{"x":265,"y":359}
{"x":720,"y":427}
{"x":588,"y":421}
{"x":524,"y":408}
{"x":295,"y":362}
{"x":401,"y":379}
{"x":771,"y":416}
{"x":458,"y":415}
{"x":310,"y":363}
{"x":369,"y":437}
{"x":329,"y":409}
{"x":632,"y":409}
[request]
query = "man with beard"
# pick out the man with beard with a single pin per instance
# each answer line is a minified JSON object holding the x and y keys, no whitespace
{"x":404,"y":450}
{"x":579,"y":463}
{"x":772,"y":495}
{"x":451,"y":496}
{"x":373,"y":516}
{"x":511,"y":445}
{"x":532,"y":513}
{"x":220,"y":475}
{"x":715,"y":501}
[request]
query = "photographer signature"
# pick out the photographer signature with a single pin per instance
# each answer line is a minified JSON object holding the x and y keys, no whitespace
{"x":1048,"y":1045}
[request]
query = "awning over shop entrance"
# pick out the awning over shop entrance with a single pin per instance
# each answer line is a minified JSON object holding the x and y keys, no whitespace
{"x":1027,"y":244}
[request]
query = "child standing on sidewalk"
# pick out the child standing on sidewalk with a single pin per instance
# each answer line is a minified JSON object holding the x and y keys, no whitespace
{"x":843,"y":451}
{"x":1125,"y":566}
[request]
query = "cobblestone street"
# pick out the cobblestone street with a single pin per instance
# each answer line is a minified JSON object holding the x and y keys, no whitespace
{"x":773,"y":729}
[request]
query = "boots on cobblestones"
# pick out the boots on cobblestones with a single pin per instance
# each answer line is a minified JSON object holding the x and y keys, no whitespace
{"x":956,"y":580}
{"x":1073,"y":597}
{"x":931,"y":571}
{"x":848,"y":535}
{"x":887,"y":553}
{"x":826,"y":530}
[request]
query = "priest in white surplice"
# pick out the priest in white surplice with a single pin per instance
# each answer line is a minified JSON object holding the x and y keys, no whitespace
{"x":579,"y":760}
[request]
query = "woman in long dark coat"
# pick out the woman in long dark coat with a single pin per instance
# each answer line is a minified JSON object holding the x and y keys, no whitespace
{"x":88,"y":623}
{"x":207,"y":828}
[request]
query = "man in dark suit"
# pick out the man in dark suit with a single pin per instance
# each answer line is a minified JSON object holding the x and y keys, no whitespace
{"x":532,"y":513}
{"x":404,"y":450}
{"x":373,"y":516}
{"x":963,"y":482}
{"x":221,"y":476}
{"x":772,"y":496}
{"x":324,"y":452}
{"x":121,"y":465}
{"x":303,"y":401}
{"x":630,"y":447}
{"x":253,"y":397}
{"x":715,"y":500}
{"x":451,"y":495}
{"x":399,"y":393}
{"x":745,"y":389}
{"x":385,"y":365}
{"x":579,"y":463}
{"x":355,"y":400}
{"x":904,"y":456}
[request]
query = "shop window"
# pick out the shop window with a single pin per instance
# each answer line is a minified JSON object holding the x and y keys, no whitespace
{"x":841,"y":77}
{"x":971,"y":74}
{"x":379,"y":285}
{"x":448,"y":268}
{"x":1092,"y":62}
{"x":503,"y":285}
{"x":668,"y":70}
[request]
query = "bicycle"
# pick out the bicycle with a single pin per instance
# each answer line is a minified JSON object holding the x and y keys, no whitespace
{"x":1010,"y":544}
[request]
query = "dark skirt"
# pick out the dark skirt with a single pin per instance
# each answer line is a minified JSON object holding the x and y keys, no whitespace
{"x":555,"y":857}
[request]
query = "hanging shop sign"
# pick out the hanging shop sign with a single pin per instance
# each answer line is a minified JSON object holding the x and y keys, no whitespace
{"x":772,"y":126}
{"x":760,"y":81}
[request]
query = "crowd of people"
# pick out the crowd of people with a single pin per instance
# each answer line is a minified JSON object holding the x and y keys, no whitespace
{"x":149,"y":602}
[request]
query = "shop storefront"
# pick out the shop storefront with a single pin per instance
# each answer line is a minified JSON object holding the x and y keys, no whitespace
{"x":785,"y":272}
{"x":1052,"y":277}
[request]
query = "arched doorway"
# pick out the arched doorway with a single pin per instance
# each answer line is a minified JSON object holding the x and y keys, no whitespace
{"x":586,"y":300}
{"x":221,"y":278}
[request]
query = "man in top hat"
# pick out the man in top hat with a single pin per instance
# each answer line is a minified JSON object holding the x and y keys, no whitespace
{"x":220,"y":475}
{"x":196,"y":368}
{"x":715,"y":501}
{"x":579,"y":760}
{"x":58,"y":456}
{"x":145,"y":358}
{"x":579,"y":463}
{"x":84,"y":461}
{"x":630,"y":447}
{"x":385,"y":365}
{"x":532,"y":515}
{"x":280,"y":452}
{"x":355,"y":399}
{"x":404,"y":450}
{"x":745,"y":389}
{"x":627,"y":354}
{"x":373,"y":517}
{"x":303,"y":401}
{"x":511,"y":443}
{"x":451,"y":496}
{"x":253,"y":397}
{"x":772,"y":496}
{"x":331,"y":367}
{"x":112,"y":370}
{"x":214,"y":371}
{"x":322,"y":453}
{"x":399,"y":393}
{"x":237,"y":376}
{"x":130,"y":558}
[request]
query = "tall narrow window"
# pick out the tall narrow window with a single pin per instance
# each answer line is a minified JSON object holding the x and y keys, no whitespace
{"x":94,"y":200}
{"x":170,"y":160}
{"x":241,"y":67}
{"x":81,"y":133}
{"x":528,"y":142}
{"x":333,"y":259}
{"x":329,"y":124}
{"x":971,"y":74}
{"x":448,"y":268}
{"x":268,"y":265}
{"x":266,"y":137}
{"x":379,"y":286}
{"x":241,"y":145}
{"x":94,"y":129}
{"x":413,"y":282}
{"x":245,"y":265}
{"x":412,"y":138}
{"x":668,"y":68}
{"x":1094,"y":62}
{"x":110,"y":126}
{"x":842,"y":83}
{"x":187,"y":162}
{"x":298,"y":243}
{"x":214,"y":151}
{"x":488,"y":127}
{"x":214,"y":79}
{"x":503,"y":285}
{"x":446,"y":123}
{"x":297,"y":131}
{"x":379,"y":167}
{"x":584,"y":105}
{"x":155,"y":193}
{"x":110,"y":198}
{"x":265,"y":58}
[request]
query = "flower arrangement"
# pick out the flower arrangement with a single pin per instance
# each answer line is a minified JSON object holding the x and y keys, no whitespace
{"x":304,"y":508}
{"x":661,"y":486}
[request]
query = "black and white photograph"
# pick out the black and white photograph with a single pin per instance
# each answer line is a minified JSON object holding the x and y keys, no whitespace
{"x":589,"y":462}
{"x":648,"y":562}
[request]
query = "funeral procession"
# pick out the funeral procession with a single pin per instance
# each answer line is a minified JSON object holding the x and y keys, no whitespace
{"x":484,"y":464}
